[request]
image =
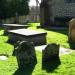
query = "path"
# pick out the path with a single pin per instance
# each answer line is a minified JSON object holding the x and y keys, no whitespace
{"x":61,"y":49}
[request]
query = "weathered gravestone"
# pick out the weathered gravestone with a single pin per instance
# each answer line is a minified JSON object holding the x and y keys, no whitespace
{"x":71,"y":35}
{"x":25,"y":54}
{"x":50,"y":52}
{"x":37,"y":37}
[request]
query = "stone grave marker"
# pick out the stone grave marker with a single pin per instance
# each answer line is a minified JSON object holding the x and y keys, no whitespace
{"x":37,"y":37}
{"x":25,"y":54}
{"x":50,"y":52}
{"x":71,"y":35}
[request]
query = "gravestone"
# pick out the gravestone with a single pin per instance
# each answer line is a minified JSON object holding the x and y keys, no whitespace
{"x":25,"y":54}
{"x":50,"y":52}
{"x":14,"y":26}
{"x":71,"y":35}
{"x":37,"y":37}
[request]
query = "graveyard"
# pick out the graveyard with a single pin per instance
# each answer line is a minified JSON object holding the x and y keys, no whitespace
{"x":63,"y":65}
{"x":37,"y":38}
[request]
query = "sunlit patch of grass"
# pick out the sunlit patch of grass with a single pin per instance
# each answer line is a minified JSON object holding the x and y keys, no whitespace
{"x":59,"y":38}
{"x":55,"y":36}
{"x":34,"y":24}
{"x":6,"y":48}
{"x":3,"y":39}
{"x":1,"y":32}
{"x":9,"y":66}
{"x":65,"y":65}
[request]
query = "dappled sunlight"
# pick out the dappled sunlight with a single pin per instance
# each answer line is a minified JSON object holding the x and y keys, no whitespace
{"x":55,"y":36}
{"x":59,"y":38}
{"x":3,"y":39}
{"x":64,"y":65}
{"x":6,"y":48}
{"x":34,"y":24}
{"x":9,"y":66}
{"x":1,"y":32}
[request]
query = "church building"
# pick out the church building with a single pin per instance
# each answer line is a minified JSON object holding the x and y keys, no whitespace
{"x":56,"y":12}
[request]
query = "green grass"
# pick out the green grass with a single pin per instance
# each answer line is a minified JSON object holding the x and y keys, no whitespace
{"x":57,"y":37}
{"x":64,"y":65}
{"x":54,"y":36}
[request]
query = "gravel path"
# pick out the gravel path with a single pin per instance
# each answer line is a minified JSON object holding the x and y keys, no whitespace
{"x":61,"y":49}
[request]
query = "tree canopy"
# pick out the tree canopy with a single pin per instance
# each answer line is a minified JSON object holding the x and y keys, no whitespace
{"x":9,"y":8}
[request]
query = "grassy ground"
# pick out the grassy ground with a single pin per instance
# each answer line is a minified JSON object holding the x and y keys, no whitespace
{"x":54,"y":36}
{"x":64,"y":65}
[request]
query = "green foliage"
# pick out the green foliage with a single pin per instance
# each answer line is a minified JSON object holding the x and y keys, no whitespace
{"x":9,"y":8}
{"x":20,"y":7}
{"x":3,"y":9}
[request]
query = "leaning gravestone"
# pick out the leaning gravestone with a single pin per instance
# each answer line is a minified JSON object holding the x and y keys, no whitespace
{"x":25,"y":54}
{"x":72,"y":30}
{"x":50,"y":52}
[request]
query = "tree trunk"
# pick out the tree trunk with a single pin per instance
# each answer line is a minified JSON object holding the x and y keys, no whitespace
{"x":37,"y":8}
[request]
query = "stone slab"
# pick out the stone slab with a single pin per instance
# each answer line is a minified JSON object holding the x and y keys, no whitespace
{"x":14,"y":26}
{"x":39,"y":38}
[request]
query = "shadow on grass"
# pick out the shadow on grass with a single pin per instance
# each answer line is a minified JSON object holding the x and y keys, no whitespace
{"x":72,"y":45}
{"x":59,"y":30}
{"x":51,"y":65}
{"x":27,"y":71}
{"x":12,"y":42}
{"x":64,"y":31}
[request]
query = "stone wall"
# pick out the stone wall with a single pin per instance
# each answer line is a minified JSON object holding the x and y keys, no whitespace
{"x":63,"y":10}
{"x":58,"y":1}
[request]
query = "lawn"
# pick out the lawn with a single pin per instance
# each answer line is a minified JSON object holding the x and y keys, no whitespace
{"x":54,"y":36}
{"x":64,"y":65}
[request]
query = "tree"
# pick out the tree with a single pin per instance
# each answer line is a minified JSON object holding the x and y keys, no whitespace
{"x":3,"y":9}
{"x":12,"y":8}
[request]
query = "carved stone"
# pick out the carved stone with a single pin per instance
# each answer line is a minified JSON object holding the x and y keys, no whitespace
{"x":50,"y":52}
{"x":25,"y":53}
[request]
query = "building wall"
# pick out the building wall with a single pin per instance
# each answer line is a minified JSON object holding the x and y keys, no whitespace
{"x":58,"y":1}
{"x":64,"y":10}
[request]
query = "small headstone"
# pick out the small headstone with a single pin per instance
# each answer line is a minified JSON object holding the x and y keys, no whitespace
{"x":72,"y":30}
{"x":50,"y":52}
{"x":25,"y":53}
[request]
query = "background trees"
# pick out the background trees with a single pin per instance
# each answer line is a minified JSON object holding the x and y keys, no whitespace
{"x":3,"y":9}
{"x":13,"y":8}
